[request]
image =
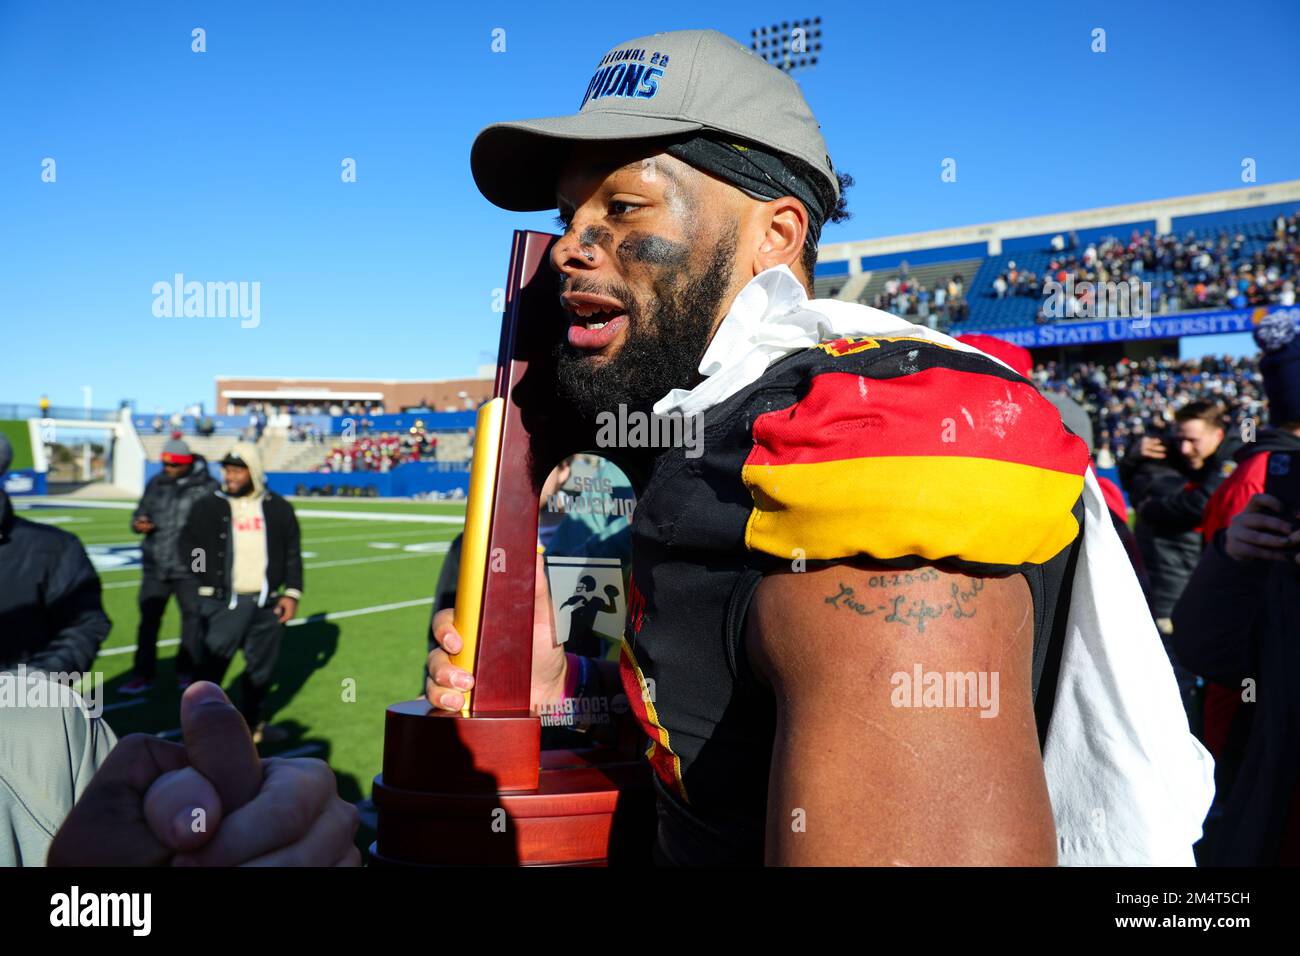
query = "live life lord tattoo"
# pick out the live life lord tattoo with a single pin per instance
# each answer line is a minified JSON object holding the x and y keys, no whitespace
{"x":902,"y":608}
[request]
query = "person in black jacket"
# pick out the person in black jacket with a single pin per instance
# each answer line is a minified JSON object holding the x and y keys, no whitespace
{"x":1170,"y":486}
{"x":51,"y":615}
{"x":1170,"y":480}
{"x":159,"y":516}
{"x":1238,"y":621}
{"x":243,"y":545}
{"x":1237,"y":624}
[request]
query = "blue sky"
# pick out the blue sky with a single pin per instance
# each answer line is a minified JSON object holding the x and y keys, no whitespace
{"x":225,"y":165}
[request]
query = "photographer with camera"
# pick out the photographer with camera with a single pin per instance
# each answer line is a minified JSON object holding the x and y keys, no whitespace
{"x":1169,"y":478}
{"x":1237,"y":621}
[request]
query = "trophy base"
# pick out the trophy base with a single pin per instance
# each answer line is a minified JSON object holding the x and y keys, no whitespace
{"x":478,"y":790}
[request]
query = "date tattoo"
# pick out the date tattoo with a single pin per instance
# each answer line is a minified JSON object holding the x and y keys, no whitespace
{"x":902,"y":608}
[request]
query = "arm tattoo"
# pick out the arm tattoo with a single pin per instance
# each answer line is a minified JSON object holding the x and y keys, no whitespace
{"x":903,"y":609}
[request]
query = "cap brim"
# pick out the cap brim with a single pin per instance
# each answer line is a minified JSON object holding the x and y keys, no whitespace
{"x":516,"y":165}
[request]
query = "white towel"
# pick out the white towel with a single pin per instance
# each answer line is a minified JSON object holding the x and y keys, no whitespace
{"x":1129,"y":783}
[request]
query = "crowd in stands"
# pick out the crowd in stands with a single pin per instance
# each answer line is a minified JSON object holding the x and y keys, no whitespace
{"x":1219,"y":271}
{"x":336,"y":409}
{"x":1210,"y":272}
{"x":382,"y":452}
{"x":174,"y":424}
{"x":307,"y":433}
{"x":936,"y":305}
{"x":1130,"y":399}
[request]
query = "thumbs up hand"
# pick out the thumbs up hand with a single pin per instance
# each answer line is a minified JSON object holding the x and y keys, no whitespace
{"x":210,"y":802}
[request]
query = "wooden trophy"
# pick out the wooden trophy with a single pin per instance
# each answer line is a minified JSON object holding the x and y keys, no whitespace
{"x":476,"y":787}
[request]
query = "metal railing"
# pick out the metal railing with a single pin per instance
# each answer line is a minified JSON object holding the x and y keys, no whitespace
{"x":15,"y":411}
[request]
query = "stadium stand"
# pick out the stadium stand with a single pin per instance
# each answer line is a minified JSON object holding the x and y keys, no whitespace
{"x":915,"y":295}
{"x":1243,"y":256}
{"x":828,"y":287}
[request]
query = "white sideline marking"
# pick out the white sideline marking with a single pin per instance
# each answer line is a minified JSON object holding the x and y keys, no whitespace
{"x":301,"y":512}
{"x":429,"y":547}
{"x":381,"y":516}
{"x":127,"y":650}
{"x":299,"y":621}
{"x":377,"y":609}
{"x":46,"y":500}
{"x":368,"y":536}
{"x":382,"y":557}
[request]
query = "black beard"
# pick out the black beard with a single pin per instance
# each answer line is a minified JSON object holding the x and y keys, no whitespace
{"x":662,"y":350}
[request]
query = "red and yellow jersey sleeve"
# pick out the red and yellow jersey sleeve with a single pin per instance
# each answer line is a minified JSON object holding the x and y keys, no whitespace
{"x":944,"y":462}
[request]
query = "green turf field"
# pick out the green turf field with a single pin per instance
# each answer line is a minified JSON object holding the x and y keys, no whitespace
{"x":20,"y":439}
{"x":358,"y":563}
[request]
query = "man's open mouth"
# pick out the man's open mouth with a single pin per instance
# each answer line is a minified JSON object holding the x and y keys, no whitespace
{"x":594,"y":320}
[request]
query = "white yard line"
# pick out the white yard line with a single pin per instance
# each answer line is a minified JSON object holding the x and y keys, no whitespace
{"x":381,"y":516}
{"x":127,"y":650}
{"x":298,"y":622}
{"x":301,"y":512}
{"x":60,"y":503}
{"x":376,"y":609}
{"x":306,"y":567}
{"x":370,"y":536}
{"x":382,"y":557}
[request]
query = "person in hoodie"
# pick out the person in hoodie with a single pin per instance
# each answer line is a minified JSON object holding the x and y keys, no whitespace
{"x":242,"y":543}
{"x":1236,"y":625}
{"x":160,"y":515}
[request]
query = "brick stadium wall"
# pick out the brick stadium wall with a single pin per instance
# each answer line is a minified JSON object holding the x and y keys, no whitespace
{"x":440,"y":395}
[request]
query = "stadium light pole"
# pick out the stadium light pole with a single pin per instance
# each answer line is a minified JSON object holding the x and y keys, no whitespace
{"x":85,"y":447}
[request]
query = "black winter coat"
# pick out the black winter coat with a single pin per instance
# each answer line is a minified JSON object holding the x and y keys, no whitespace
{"x":167,"y":503}
{"x":1239,"y":621}
{"x":51,"y":616}
{"x":1170,"y":503}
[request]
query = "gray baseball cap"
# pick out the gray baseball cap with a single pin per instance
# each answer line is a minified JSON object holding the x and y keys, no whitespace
{"x":666,"y":84}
